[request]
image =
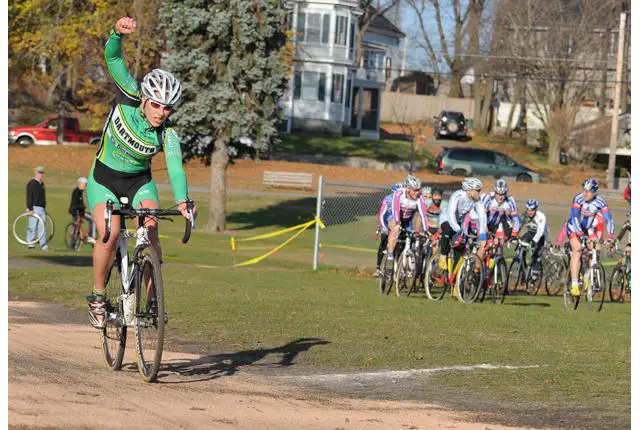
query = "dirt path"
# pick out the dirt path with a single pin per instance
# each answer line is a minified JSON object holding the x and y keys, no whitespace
{"x":57,"y":380}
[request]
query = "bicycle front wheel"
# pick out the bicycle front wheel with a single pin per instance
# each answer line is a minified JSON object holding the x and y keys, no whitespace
{"x":515,"y":276}
{"x":435,"y":285}
{"x":469,"y":279}
{"x":534,"y":280}
{"x":499,"y":280}
{"x":570,"y":301}
{"x":114,"y":336}
{"x":598,"y":287}
{"x":149,"y":318}
{"x":617,"y":284}
{"x":72,"y":237}
{"x":23,"y":223}
{"x":555,"y":276}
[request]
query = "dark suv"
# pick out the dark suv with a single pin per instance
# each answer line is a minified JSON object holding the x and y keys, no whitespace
{"x":450,"y":124}
{"x":482,"y":162}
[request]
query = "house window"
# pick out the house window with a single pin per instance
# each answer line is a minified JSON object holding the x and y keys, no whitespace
{"x":313,"y":86}
{"x":387,"y":67}
{"x":340,"y":37}
{"x":314,"y":27}
{"x":337,"y":85}
{"x":297,"y":85}
{"x":348,"y":94}
{"x":372,"y":60}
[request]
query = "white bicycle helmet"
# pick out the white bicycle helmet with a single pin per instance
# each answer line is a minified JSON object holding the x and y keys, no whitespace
{"x":162,"y":87}
{"x":501,"y":187}
{"x":532,"y":204}
{"x":425,"y":190}
{"x":412,"y":183}
{"x":82,"y":180}
{"x":472,"y":184}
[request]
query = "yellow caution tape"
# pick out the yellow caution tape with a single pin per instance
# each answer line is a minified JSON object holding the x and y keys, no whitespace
{"x":348,"y":248}
{"x":272,"y":234}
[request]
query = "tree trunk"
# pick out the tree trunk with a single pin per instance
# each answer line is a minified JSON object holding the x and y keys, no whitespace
{"x":455,"y":88}
{"x":218,"y":188}
{"x":512,"y":109}
{"x":554,"y":149}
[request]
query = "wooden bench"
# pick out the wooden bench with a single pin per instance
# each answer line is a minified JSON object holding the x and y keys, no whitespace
{"x":288,"y":179}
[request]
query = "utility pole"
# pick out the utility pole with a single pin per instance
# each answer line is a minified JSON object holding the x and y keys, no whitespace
{"x":616,"y":104}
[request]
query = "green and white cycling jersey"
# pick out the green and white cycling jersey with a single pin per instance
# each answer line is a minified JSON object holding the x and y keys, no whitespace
{"x":129,"y":141}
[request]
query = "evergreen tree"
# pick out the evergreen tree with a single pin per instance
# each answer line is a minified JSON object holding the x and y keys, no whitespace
{"x":230,"y":57}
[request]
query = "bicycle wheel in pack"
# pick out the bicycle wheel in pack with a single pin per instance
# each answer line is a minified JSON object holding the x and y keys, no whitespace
{"x":570,"y":301}
{"x":435,"y":285}
{"x":469,"y":279}
{"x":598,"y":287}
{"x":499,"y":287}
{"x":555,"y":276}
{"x":534,"y":282}
{"x":149,"y":316}
{"x":417,"y":282}
{"x":20,"y":228}
{"x":385,"y":282}
{"x":617,"y":284}
{"x":114,"y":336}
{"x":72,"y":237}
{"x":515,"y":277}
{"x":405,"y":275}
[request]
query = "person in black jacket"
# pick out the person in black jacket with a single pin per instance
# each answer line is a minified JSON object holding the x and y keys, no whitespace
{"x":36,"y":203}
{"x":77,"y":208}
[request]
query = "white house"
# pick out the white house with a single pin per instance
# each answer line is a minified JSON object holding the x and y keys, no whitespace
{"x":328,"y":92}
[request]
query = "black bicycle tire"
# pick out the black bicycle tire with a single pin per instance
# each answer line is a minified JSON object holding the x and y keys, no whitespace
{"x":520,"y":274}
{"x":603,"y":286}
{"x":619,"y":272}
{"x":537,"y":283}
{"x":552,"y":275}
{"x":149,"y":372}
{"x":113,"y":331}
{"x":433,"y":260}
{"x":382,"y":279}
{"x":471,"y":296}
{"x":497,"y":296}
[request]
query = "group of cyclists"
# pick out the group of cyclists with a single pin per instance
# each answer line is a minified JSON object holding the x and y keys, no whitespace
{"x":471,"y":214}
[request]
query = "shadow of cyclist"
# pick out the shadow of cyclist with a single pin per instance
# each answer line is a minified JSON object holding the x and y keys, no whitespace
{"x":219,"y":365}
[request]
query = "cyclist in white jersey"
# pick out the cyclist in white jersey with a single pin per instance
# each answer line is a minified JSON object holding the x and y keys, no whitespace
{"x":536,"y":222}
{"x":460,"y":204}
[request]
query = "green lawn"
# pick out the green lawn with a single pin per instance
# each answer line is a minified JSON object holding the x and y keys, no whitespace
{"x":388,"y":151}
{"x":583,"y":358}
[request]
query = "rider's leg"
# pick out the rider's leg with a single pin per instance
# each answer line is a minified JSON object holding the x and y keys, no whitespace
{"x":446,"y":233}
{"x":576,"y":249}
{"x":103,"y":253}
{"x":91,"y":225}
{"x":394,"y":231}
{"x":384,"y":238}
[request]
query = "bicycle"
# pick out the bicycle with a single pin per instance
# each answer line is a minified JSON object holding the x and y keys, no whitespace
{"x":465,"y":275}
{"x":555,"y":263}
{"x":591,"y":277}
{"x":620,"y":282}
{"x":21,"y":227}
{"x":496,"y":278}
{"x":135,"y":291}
{"x":74,"y":235}
{"x":522,"y":273}
{"x":423,"y":250}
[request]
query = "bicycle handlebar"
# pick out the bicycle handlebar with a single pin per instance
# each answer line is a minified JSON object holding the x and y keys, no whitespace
{"x":128,"y":212}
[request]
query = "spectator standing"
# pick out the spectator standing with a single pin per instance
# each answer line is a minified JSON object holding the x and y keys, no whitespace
{"x":36,"y":204}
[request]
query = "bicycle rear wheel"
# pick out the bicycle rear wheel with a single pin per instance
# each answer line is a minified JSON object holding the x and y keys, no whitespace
{"x":435,"y":285}
{"x":617,"y":284}
{"x":72,"y":237}
{"x":469,"y":279}
{"x":498,"y":289}
{"x":21,"y":226}
{"x":114,"y":336}
{"x":385,"y":282}
{"x":149,"y":319}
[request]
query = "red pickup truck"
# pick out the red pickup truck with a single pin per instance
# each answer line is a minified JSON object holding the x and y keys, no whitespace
{"x":45,"y":133}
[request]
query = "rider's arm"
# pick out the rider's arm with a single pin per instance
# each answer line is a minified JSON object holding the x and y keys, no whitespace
{"x":117,"y":68}
{"x":515,"y":217}
{"x":541,"y":222}
{"x":482,"y":221}
{"x":574,"y":213}
{"x":451,"y":212}
{"x":395,"y":205}
{"x":173,"y":154}
{"x":611,"y":228}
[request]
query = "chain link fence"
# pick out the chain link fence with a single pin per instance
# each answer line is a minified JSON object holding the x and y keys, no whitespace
{"x":350,"y":214}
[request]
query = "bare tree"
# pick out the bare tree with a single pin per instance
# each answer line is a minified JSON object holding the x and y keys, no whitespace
{"x":454,"y":49}
{"x":552,"y":45}
{"x":371,"y":10}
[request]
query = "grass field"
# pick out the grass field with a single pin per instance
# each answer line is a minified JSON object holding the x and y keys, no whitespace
{"x":583,"y":358}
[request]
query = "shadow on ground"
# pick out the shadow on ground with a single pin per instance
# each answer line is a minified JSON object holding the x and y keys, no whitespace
{"x":220,"y":365}
{"x":65,"y":260}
